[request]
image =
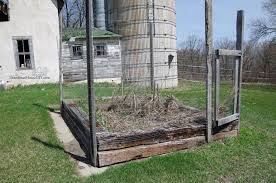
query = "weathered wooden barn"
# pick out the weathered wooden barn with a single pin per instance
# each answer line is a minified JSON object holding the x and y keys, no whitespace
{"x":107,"y":54}
{"x":29,"y":41}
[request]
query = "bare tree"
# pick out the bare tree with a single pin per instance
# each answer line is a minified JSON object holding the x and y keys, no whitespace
{"x":267,"y":58}
{"x":191,"y":57}
{"x":80,"y":10}
{"x":259,"y":60}
{"x":225,"y":43}
{"x":68,"y":13}
{"x":265,"y":27}
{"x":74,"y":14}
{"x":193,"y":49}
{"x":249,"y":57}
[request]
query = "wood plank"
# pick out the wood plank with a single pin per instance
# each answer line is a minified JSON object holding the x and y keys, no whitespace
{"x":77,"y":132}
{"x":240,"y":46}
{"x":236,"y":85}
{"x":224,"y":52}
{"x":78,"y":115}
{"x":76,"y":129}
{"x":74,"y":122}
{"x":217,"y":89}
{"x":209,"y":57}
{"x":81,"y":117}
{"x":107,"y":158}
{"x":120,"y":141}
{"x":90,"y":81}
{"x":118,"y":156}
{"x":228,"y":119}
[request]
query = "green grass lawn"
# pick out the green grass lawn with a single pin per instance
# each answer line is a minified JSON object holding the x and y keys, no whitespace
{"x":250,"y":158}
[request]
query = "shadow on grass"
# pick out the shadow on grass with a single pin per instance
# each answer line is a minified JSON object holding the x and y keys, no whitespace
{"x":59,"y":148}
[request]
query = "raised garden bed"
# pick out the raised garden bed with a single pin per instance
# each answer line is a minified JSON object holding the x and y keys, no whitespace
{"x":129,"y":132}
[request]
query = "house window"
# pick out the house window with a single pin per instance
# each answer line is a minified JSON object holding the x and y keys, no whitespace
{"x":4,"y":11}
{"x":24,"y":53}
{"x":76,"y":52}
{"x":100,"y":50}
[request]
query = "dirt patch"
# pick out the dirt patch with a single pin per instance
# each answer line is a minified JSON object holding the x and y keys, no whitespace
{"x":143,"y":113}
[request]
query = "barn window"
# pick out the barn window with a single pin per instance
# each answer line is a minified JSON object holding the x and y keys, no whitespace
{"x":76,"y":52}
{"x":23,"y":53}
{"x":100,"y":51}
{"x":4,"y":11}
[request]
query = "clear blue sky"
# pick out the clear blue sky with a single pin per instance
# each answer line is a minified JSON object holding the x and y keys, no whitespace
{"x":190,"y":17}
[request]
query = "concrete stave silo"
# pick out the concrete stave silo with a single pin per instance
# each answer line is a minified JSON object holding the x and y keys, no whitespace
{"x":99,"y":14}
{"x":130,"y":18}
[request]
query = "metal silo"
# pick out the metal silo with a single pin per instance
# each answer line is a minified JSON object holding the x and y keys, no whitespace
{"x":130,"y":18}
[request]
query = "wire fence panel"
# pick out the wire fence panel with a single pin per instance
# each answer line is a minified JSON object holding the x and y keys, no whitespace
{"x":195,"y":70}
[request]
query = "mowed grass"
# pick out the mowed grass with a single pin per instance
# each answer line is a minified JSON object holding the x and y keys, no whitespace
{"x":30,"y":151}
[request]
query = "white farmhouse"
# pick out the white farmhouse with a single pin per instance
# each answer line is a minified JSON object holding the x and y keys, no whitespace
{"x":29,"y":41}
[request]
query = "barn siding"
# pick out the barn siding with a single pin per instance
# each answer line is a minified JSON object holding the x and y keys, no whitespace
{"x":108,"y":69}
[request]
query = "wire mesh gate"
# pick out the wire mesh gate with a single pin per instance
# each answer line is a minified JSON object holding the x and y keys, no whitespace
{"x":228,"y":111}
{"x":235,"y":89}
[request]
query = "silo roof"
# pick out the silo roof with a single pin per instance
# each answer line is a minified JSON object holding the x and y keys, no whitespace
{"x":81,"y":33}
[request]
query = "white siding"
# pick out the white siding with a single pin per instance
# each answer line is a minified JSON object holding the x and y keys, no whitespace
{"x":37,"y":19}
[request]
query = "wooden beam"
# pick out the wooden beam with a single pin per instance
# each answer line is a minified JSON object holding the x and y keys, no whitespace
{"x":217,"y":88}
{"x":76,"y":126}
{"x":123,"y":155}
{"x":90,"y":80}
{"x":115,"y":141}
{"x":228,"y":119}
{"x":236,"y":84}
{"x":239,"y":46}
{"x":209,"y":57}
{"x":224,"y":52}
{"x":107,"y":158}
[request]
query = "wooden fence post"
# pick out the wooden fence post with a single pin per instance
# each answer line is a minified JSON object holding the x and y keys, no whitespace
{"x":90,"y":80}
{"x":239,"y":46}
{"x":209,"y":57}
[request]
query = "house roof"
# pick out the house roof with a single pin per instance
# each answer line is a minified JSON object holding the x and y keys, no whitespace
{"x":81,"y":34}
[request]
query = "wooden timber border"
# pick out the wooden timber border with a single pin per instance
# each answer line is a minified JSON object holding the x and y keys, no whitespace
{"x":114,"y":148}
